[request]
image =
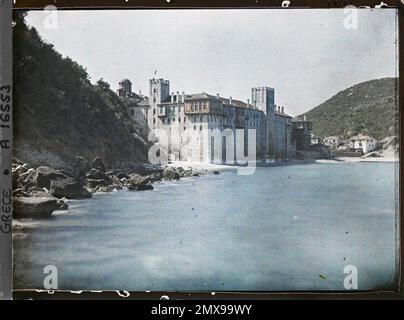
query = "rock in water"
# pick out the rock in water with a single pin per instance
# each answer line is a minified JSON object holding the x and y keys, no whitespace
{"x":69,"y":189}
{"x":140,"y":187}
{"x":98,"y":164}
{"x":34,"y":207}
{"x":139,"y":183}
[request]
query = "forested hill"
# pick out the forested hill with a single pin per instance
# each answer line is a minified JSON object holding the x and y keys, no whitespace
{"x":59,"y":114}
{"x":368,"y":107}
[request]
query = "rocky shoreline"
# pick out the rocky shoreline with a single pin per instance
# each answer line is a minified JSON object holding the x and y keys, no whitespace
{"x":37,"y":192}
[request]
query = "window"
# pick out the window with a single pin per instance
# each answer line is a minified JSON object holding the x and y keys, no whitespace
{"x":132,"y":112}
{"x":179,"y":119}
{"x":154,"y":111}
{"x":200,"y":118}
{"x":154,"y":120}
{"x":200,"y":128}
{"x":185,"y":119}
{"x":164,"y":120}
{"x":185,"y":128}
{"x":194,"y":127}
{"x":173,"y":119}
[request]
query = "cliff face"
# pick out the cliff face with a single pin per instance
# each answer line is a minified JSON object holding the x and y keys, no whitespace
{"x":59,"y":114}
{"x":368,"y":107}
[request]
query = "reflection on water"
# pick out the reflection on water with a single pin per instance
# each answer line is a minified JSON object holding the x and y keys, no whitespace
{"x":279,"y":229}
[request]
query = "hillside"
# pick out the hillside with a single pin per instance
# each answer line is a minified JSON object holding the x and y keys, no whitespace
{"x":368,"y":107}
{"x":59,"y":114}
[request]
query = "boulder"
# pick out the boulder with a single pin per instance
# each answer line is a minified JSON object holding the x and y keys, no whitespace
{"x":93,"y":183}
{"x":122,"y":175}
{"x":115,"y":180}
{"x":62,"y":205}
{"x":216,"y":172}
{"x":137,"y":182}
{"x":69,"y":188}
{"x":98,"y":175}
{"x":140,"y":187}
{"x":34,"y":207}
{"x":98,"y":164}
{"x":170,"y":174}
{"x":44,"y":175}
{"x":36,"y":191}
{"x":26,"y":177}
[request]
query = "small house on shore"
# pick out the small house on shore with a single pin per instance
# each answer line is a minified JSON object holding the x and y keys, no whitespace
{"x":363,"y":143}
{"x":332,"y":141}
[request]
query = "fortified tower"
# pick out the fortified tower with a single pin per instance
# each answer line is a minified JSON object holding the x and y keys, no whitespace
{"x":263,"y":98}
{"x":125,"y":88}
{"x":159,"y":91}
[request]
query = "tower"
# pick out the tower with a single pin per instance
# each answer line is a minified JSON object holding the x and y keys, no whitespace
{"x":159,"y":91}
{"x":125,"y":88}
{"x":263,"y":98}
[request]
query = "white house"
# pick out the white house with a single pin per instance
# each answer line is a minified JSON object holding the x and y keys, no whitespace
{"x":364,"y":143}
{"x":332,"y":141}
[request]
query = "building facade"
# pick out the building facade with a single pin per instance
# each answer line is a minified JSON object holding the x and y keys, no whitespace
{"x":209,"y":128}
{"x":363,"y":143}
{"x":332,"y":141}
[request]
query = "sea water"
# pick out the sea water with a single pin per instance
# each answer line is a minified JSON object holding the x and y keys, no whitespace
{"x":292,"y":227}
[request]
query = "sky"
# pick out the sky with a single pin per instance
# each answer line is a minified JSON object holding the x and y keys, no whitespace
{"x":306,"y":55}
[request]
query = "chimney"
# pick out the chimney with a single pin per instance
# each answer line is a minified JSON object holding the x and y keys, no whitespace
{"x":178,"y":96}
{"x":304,"y":118}
{"x":248,"y":103}
{"x":217,"y":95}
{"x":279,"y":109}
{"x":140,"y":92}
{"x":183,"y":96}
{"x":283,"y":110}
{"x":172,"y":96}
{"x":230,"y":100}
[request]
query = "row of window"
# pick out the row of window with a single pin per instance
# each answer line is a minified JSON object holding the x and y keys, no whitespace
{"x":197,"y":106}
{"x":210,"y":118}
{"x":173,"y":120}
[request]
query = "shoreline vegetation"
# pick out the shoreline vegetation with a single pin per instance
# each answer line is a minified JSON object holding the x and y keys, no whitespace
{"x":38,"y":192}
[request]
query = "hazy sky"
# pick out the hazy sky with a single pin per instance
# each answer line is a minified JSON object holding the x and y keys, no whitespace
{"x":306,"y":55}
